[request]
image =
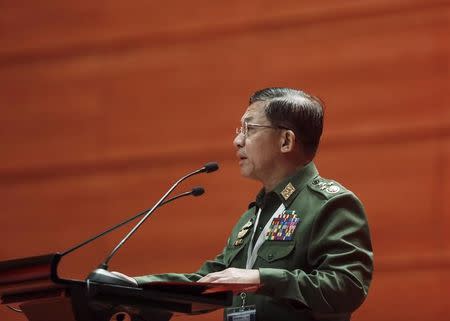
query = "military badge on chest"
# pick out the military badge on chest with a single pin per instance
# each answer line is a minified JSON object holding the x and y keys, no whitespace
{"x":243,"y":233}
{"x":282,"y":227}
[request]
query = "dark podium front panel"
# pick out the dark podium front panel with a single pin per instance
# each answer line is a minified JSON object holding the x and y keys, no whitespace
{"x":34,"y":284}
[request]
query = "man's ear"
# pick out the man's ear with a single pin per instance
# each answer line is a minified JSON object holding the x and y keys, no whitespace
{"x":287,"y":141}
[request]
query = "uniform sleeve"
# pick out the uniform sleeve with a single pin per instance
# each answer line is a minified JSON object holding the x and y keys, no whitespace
{"x":217,"y":264}
{"x":340,"y":262}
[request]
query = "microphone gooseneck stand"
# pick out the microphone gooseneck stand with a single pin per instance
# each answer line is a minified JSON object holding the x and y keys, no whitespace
{"x":196,"y":191}
{"x":101,"y":274}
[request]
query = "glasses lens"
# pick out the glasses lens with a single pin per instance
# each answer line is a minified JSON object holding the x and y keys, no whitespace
{"x":243,"y":129}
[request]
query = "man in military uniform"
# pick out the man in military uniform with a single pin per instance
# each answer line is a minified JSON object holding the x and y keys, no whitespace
{"x":306,"y":239}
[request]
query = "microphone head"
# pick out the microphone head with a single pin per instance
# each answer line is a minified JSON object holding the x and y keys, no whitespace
{"x":197,"y":191}
{"x":210,"y":167}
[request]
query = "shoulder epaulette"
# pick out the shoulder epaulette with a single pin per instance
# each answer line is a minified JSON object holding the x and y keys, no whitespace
{"x":326,"y":187}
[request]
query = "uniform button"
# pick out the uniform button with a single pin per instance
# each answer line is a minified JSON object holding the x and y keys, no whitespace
{"x":260,"y":228}
{"x":270,"y":256}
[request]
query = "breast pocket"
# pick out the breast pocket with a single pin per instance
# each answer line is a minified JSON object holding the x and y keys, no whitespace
{"x":230,"y":256}
{"x":277,"y":254}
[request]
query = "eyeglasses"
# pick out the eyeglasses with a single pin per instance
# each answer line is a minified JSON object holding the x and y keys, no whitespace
{"x":247,"y":126}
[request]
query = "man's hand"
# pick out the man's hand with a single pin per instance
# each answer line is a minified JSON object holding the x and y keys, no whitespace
{"x":232,"y":275}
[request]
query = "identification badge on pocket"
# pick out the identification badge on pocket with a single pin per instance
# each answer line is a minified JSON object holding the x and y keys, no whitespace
{"x":243,"y":313}
{"x":246,"y":313}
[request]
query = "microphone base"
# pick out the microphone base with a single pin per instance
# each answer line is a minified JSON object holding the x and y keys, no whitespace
{"x":105,"y":277}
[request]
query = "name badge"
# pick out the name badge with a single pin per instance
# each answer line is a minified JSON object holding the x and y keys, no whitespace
{"x":247,"y":313}
{"x":243,"y":313}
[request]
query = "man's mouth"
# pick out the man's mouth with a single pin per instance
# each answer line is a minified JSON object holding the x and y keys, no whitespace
{"x":240,"y":156}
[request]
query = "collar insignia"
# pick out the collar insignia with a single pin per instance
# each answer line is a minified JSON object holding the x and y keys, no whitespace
{"x":287,"y":191}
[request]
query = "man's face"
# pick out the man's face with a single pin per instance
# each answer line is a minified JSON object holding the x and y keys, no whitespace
{"x":259,"y":149}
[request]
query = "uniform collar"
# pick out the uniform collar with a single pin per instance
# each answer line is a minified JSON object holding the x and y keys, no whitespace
{"x":290,"y":187}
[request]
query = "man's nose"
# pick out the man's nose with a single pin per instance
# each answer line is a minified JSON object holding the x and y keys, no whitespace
{"x":239,"y":140}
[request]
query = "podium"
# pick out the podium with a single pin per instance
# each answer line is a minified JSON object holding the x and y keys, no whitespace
{"x":34,"y":285}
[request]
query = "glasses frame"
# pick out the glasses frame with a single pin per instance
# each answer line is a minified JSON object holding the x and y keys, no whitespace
{"x":246,"y":126}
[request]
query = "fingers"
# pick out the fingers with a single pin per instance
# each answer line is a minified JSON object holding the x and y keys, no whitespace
{"x":232,"y":275}
{"x":212,"y":277}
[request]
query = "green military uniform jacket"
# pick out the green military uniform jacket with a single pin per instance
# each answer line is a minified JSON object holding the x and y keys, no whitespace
{"x":322,"y":272}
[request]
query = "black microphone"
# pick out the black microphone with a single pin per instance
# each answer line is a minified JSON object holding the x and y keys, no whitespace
{"x":196,"y":191}
{"x":210,"y":167}
{"x":101,"y":274}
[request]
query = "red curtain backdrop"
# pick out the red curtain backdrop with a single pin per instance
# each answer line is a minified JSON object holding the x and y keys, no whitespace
{"x":105,"y":103}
